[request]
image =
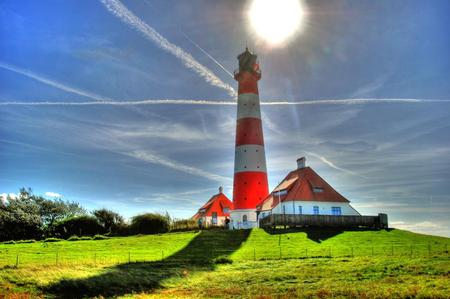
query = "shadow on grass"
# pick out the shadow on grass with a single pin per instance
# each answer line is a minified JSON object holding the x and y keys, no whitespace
{"x":206,"y":250}
{"x":318,"y":234}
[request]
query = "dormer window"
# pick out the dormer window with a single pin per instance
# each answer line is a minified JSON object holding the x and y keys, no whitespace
{"x":226,"y":210}
{"x":202,"y":210}
{"x":280,"y":192}
{"x":317,"y":189}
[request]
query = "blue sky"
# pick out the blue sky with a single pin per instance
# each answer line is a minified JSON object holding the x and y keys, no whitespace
{"x":384,"y":156}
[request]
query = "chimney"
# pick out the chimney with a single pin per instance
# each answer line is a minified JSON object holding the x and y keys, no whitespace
{"x":220,"y":189}
{"x":301,"y":163}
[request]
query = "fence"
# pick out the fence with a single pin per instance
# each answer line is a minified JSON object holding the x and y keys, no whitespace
{"x":346,"y":221}
{"x":247,"y":253}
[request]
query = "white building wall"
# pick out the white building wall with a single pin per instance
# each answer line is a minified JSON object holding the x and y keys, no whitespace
{"x":237,"y":219}
{"x":292,"y":207}
{"x":207,"y":221}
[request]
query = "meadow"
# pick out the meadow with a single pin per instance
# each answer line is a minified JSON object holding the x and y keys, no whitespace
{"x":217,"y":263}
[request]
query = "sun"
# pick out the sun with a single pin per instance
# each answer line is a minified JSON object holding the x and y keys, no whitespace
{"x":276,"y":20}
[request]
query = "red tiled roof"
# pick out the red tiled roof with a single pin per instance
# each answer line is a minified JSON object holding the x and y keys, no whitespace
{"x":299,"y":185}
{"x":215,"y":204}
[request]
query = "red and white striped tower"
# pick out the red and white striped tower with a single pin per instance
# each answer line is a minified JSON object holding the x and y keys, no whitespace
{"x":250,"y":173}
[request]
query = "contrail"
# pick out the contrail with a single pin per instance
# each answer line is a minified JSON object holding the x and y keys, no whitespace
{"x":223,"y":102}
{"x":120,"y":11}
{"x":207,"y":54}
{"x":332,"y":165}
{"x":155,"y":159}
{"x":52,"y":83}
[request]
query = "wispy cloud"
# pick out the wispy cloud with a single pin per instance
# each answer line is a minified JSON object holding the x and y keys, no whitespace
{"x":53,"y":194}
{"x":52,"y":83}
{"x":126,"y":16}
{"x":332,"y":165}
{"x":156,"y":159}
{"x":172,"y":131}
{"x":224,"y":102}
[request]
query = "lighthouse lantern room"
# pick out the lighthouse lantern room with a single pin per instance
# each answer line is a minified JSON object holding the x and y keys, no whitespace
{"x":250,"y":173}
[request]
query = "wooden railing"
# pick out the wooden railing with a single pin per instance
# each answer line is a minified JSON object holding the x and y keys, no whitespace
{"x":291,"y":220}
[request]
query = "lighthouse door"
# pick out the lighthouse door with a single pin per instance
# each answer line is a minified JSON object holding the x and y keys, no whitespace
{"x":214,"y":218}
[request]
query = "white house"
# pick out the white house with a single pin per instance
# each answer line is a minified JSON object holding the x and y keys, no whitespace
{"x":303,"y":191}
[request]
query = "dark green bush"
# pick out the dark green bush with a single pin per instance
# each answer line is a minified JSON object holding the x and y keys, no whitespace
{"x":149,"y":224}
{"x":76,"y":238}
{"x":26,"y":241}
{"x":100,"y":237}
{"x":51,"y":240}
{"x":9,"y":242}
{"x":80,"y":226}
{"x":222,"y":260}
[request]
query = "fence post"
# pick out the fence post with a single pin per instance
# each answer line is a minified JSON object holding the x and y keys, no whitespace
{"x":162,"y":255}
{"x":352,"y":251}
{"x":95,"y":258}
{"x":279,"y":240}
{"x":429,"y":249}
{"x":254,"y":254}
{"x":17,"y":260}
{"x":129,"y":257}
{"x":57,"y":256}
{"x":411,"y":251}
{"x":329,"y":250}
{"x":392,"y":250}
{"x":280,"y":252}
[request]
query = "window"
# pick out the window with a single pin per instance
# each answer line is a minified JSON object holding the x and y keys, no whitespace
{"x":280,"y":193}
{"x":244,"y":218}
{"x":284,"y":209}
{"x":300,"y":210}
{"x":214,"y":218}
{"x":226,"y":210}
{"x":317,"y":189}
{"x":336,"y":211}
{"x":316,"y":210}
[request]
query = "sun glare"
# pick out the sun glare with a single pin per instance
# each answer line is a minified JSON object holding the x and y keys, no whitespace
{"x":275,"y":20}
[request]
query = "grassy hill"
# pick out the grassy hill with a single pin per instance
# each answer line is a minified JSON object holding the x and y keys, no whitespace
{"x":233,"y":264}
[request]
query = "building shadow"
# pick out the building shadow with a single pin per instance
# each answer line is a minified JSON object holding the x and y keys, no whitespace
{"x":203,"y":253}
{"x":317,"y":234}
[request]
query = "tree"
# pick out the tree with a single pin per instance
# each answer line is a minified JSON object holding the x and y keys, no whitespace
{"x":30,"y":216}
{"x":111,"y":221}
{"x":20,"y":218}
{"x":52,"y":211}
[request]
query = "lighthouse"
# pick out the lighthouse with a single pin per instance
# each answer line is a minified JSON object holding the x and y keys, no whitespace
{"x":250,"y":174}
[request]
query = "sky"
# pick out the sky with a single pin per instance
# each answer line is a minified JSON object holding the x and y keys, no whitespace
{"x":130,"y":105}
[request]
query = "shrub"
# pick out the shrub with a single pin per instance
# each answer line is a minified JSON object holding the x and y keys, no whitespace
{"x":76,"y":238}
{"x":26,"y":241}
{"x":9,"y":242}
{"x":80,"y":226}
{"x":73,"y":238}
{"x":184,"y":225}
{"x":51,"y":240}
{"x":149,"y":224}
{"x":100,"y":237}
{"x":222,"y":260}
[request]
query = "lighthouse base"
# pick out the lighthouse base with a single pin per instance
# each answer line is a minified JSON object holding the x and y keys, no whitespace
{"x":243,"y":219}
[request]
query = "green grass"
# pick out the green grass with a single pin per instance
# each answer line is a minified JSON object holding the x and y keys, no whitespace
{"x":312,"y":263}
